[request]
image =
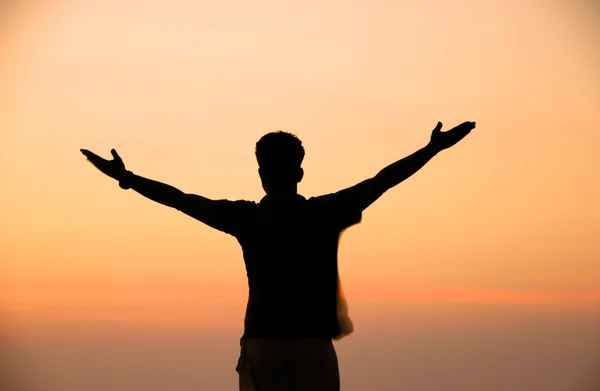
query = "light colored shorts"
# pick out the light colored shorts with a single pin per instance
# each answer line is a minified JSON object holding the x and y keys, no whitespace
{"x":290,"y":364}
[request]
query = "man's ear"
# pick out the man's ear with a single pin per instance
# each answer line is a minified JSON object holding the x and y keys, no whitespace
{"x":300,"y":174}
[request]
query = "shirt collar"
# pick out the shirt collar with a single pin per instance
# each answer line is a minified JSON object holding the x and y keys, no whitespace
{"x":271,"y":199}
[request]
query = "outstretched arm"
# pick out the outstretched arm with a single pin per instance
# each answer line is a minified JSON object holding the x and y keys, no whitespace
{"x":362,"y":195}
{"x":191,"y":204}
{"x":196,"y":206}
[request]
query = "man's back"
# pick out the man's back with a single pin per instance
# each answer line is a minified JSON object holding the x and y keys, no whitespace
{"x":290,"y":249}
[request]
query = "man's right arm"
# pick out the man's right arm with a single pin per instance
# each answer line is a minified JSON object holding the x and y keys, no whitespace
{"x":363,"y":194}
{"x":358,"y":197}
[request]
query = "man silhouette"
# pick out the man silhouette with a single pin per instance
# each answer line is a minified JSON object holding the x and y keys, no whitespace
{"x":290,"y":246}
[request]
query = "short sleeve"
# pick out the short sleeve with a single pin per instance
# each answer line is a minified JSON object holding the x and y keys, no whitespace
{"x":231,"y":217}
{"x":339,"y":210}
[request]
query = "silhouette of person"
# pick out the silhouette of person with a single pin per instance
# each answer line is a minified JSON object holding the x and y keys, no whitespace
{"x":295,"y":307}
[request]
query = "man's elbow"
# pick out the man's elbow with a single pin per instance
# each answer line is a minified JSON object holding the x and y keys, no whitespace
{"x":379,"y":184}
{"x":181,"y":202}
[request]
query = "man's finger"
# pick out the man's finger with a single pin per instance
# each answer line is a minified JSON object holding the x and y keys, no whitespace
{"x":90,"y":154}
{"x":92,"y":157}
{"x":437,"y":128}
{"x":465,"y":126}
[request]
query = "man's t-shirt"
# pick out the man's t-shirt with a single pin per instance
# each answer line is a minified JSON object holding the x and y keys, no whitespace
{"x":290,"y":248}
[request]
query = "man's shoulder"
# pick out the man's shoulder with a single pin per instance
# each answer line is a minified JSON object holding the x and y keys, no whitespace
{"x":237,"y":204}
{"x":244,"y":203}
{"x":336,"y":207}
{"x":323,"y":205}
{"x":323,"y":199}
{"x":227,"y":207}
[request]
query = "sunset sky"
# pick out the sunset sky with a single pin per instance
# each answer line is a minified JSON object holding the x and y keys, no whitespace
{"x":183,"y":90}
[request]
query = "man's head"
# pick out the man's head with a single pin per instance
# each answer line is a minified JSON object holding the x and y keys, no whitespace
{"x":279,"y":155}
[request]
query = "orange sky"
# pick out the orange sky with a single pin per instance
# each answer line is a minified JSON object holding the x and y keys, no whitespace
{"x":184,"y":89}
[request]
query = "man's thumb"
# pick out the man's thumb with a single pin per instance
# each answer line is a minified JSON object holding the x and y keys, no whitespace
{"x":116,"y":155}
{"x":437,"y":128}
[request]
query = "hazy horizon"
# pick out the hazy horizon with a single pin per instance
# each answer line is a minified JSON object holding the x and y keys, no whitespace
{"x":395,"y":347}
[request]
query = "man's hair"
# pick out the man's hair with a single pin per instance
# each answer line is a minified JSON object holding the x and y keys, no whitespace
{"x":279,"y":153}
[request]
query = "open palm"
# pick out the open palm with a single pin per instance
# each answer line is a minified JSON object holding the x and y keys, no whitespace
{"x":113,"y":168}
{"x":443,"y":140}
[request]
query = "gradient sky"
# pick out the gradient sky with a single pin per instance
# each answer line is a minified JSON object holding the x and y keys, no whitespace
{"x":183,"y":90}
{"x":480,"y":272}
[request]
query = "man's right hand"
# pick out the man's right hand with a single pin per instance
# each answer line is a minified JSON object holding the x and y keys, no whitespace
{"x":113,"y":168}
{"x":444,"y":140}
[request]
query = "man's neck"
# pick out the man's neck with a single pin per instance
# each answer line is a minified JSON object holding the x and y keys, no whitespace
{"x":279,"y":196}
{"x":283,"y":191}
